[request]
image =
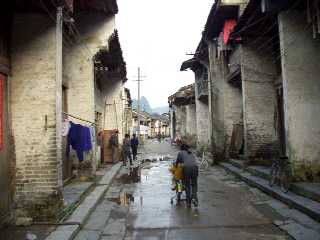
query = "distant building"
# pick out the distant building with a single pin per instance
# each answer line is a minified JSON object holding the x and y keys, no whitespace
{"x":183,"y":124}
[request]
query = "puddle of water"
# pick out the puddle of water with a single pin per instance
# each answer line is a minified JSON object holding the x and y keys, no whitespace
{"x":157,"y":158}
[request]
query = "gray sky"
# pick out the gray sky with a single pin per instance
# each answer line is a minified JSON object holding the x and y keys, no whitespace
{"x":155,"y":35}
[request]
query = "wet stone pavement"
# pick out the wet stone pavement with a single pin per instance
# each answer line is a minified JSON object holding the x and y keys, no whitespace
{"x":228,"y":209}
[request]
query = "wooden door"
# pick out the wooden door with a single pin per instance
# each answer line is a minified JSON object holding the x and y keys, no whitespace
{"x":107,"y":149}
{"x":67,"y":163}
{"x":5,"y":176}
{"x":280,"y":124}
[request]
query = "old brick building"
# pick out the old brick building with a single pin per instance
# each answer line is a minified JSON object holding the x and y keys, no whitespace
{"x":183,"y":115}
{"x":58,"y":60}
{"x":264,"y":93}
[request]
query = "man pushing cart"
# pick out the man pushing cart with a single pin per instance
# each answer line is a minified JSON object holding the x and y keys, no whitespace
{"x":186,"y":175}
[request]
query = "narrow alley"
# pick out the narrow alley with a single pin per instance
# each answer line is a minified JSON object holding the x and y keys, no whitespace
{"x":228,"y":208}
{"x":111,"y":111}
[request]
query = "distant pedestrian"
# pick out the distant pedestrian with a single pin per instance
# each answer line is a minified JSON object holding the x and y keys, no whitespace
{"x":114,"y":144}
{"x":134,"y":146}
{"x":127,"y":150}
{"x":190,"y":173}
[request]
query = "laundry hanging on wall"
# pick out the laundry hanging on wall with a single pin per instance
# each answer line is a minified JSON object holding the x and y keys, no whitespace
{"x":80,"y":139}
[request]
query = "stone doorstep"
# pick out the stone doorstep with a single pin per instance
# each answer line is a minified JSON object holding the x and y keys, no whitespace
{"x":303,"y":204}
{"x":83,"y":211}
{"x":304,"y":189}
{"x":74,"y":193}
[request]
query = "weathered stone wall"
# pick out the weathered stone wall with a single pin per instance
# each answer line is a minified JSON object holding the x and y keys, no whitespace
{"x":84,"y":99}
{"x":217,"y":101}
{"x":258,"y":73}
{"x":202,"y":117}
{"x":180,"y":113}
{"x":191,"y":124}
{"x":113,"y":93}
{"x":33,"y":106}
{"x":233,"y":98}
{"x":226,"y":102}
{"x":300,"y":67}
{"x":95,"y":30}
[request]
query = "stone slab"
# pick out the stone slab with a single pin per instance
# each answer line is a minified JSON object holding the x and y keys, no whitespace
{"x":108,"y":177}
{"x":64,"y":232}
{"x":298,"y":232}
{"x":97,"y":220}
{"x":73,"y":192}
{"x":88,"y":235}
{"x":115,"y":227}
{"x":85,"y":208}
{"x":305,"y":205}
{"x":81,"y":214}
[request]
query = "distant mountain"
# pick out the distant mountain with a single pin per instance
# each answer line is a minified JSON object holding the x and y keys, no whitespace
{"x":145,"y":106}
{"x":161,"y":110}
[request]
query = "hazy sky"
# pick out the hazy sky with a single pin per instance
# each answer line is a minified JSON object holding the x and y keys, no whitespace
{"x":156,"y":35}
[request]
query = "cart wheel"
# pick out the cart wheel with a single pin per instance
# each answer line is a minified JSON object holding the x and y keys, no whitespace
{"x":179,"y":197}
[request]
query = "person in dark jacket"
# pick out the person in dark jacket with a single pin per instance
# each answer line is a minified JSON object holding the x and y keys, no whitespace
{"x":114,"y":143}
{"x":190,"y":173}
{"x":127,"y":150}
{"x":134,"y":146}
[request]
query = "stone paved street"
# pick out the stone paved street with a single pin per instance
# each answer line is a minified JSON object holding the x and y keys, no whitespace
{"x":228,"y":208}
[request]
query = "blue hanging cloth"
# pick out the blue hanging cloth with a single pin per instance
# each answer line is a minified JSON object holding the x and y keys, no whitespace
{"x":79,"y":138}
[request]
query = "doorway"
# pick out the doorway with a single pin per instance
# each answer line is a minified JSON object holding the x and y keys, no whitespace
{"x":5,"y":176}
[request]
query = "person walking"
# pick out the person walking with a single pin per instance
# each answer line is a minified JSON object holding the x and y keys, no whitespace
{"x":114,"y":144}
{"x":190,"y":173}
{"x":127,"y":150}
{"x":134,"y":146}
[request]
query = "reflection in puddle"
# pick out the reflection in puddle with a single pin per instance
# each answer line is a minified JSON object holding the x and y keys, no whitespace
{"x":124,"y":199}
{"x":133,"y":176}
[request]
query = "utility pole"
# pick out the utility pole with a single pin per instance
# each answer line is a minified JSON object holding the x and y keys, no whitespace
{"x":139,"y":102}
{"x":139,"y":80}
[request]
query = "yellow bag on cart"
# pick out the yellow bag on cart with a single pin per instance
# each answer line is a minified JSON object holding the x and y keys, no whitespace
{"x":177,"y":172}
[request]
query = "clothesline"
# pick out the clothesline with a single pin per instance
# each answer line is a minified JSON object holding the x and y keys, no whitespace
{"x":78,"y":118}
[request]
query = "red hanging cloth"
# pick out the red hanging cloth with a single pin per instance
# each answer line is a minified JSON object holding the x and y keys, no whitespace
{"x":228,"y":28}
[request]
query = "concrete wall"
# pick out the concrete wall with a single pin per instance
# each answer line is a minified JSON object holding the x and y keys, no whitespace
{"x":33,"y":106}
{"x":300,"y":67}
{"x":258,"y":74}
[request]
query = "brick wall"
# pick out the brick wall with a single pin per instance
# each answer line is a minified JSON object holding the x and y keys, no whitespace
{"x":258,"y":73}
{"x":33,"y":106}
{"x":300,"y":68}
